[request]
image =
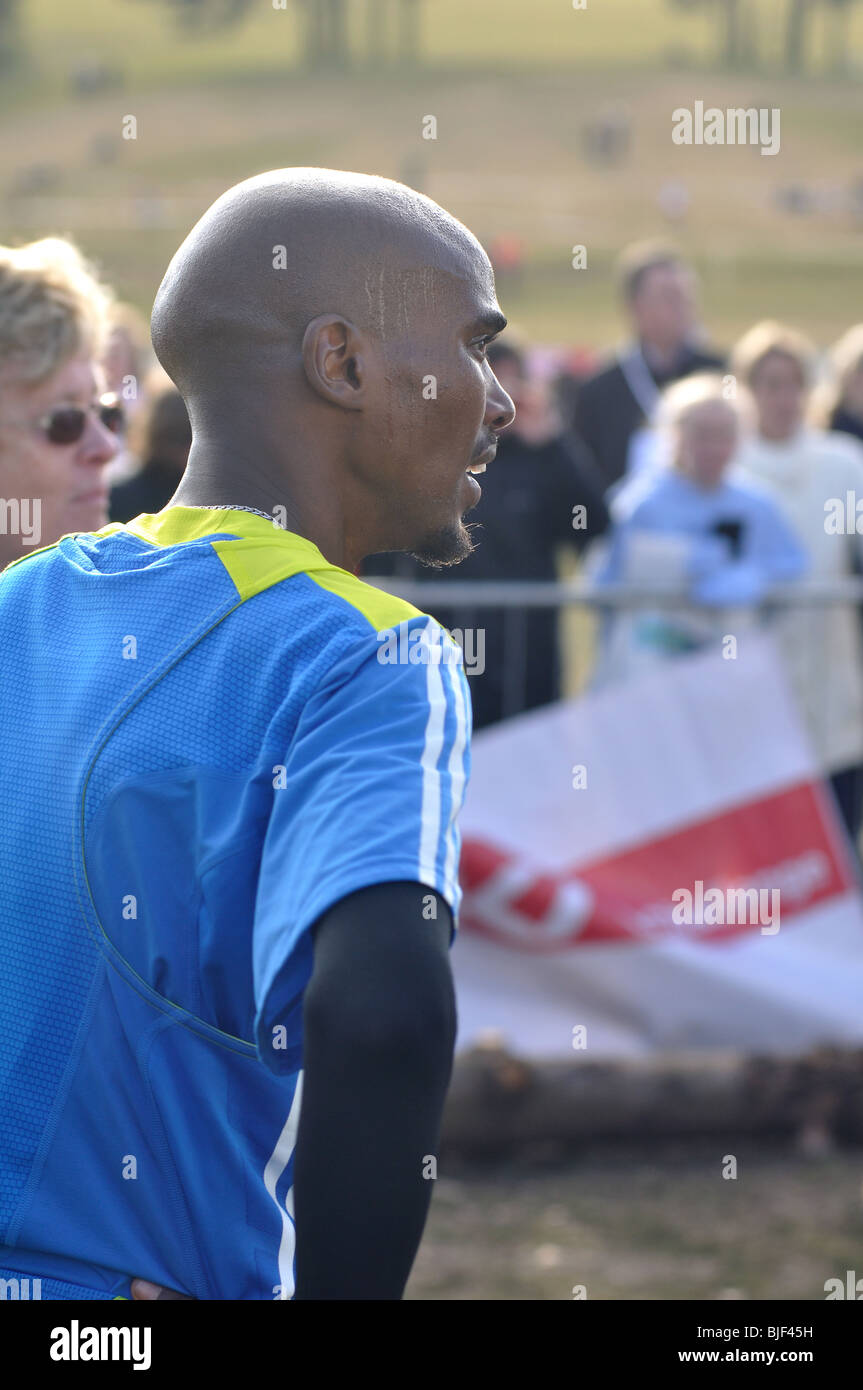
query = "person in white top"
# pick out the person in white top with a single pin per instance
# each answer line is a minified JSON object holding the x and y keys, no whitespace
{"x":812,"y":474}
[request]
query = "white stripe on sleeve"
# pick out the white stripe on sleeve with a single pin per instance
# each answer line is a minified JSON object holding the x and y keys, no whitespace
{"x":430,"y":812}
{"x":458,"y":777}
{"x":278,"y":1162}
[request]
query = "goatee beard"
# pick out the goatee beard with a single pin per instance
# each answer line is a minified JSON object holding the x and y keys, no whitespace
{"x":445,"y":548}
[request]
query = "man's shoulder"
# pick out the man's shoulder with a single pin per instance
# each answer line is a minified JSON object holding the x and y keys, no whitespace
{"x":260,"y":558}
{"x":376,"y":631}
{"x":375,"y":608}
{"x":29,"y":563}
{"x":607,"y":378}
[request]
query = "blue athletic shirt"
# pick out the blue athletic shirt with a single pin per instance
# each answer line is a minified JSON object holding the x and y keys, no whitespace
{"x":210,"y":736}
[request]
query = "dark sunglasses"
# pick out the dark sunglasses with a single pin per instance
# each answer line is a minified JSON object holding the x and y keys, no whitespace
{"x":67,"y":423}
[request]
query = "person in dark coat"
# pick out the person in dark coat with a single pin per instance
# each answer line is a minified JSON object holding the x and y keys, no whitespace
{"x":162,"y":438}
{"x":659,"y":296}
{"x":542,"y":491}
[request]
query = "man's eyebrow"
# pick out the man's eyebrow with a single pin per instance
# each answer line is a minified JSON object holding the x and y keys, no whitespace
{"x":492,"y":322}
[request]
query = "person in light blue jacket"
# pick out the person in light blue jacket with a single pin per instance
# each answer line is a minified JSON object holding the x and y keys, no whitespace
{"x":719,"y":545}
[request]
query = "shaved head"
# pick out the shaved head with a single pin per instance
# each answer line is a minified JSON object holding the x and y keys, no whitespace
{"x":296,"y":319}
{"x":277,"y":250}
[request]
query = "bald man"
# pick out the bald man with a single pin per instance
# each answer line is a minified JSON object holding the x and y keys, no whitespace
{"x":229,"y":866}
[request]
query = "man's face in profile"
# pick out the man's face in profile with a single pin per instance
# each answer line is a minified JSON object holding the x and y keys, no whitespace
{"x":442,"y":408}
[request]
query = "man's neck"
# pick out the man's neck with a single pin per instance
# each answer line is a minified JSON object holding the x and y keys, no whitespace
{"x":661,"y":357}
{"x":196,"y":493}
{"x":209,"y":489}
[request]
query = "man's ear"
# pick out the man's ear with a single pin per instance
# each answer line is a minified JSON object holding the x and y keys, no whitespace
{"x":335,"y":360}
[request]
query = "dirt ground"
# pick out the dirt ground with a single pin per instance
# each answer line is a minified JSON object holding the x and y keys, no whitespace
{"x":659,"y":1225}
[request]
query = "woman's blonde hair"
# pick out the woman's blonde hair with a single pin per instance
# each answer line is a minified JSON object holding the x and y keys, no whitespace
{"x":844,"y":358}
{"x":765,"y":339}
{"x":681,"y":398}
{"x":52,"y":307}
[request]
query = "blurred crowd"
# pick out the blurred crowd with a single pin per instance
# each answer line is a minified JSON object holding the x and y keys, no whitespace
{"x":690,"y":485}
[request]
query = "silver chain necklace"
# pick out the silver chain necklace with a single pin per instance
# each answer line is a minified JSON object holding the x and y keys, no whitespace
{"x":218,"y":507}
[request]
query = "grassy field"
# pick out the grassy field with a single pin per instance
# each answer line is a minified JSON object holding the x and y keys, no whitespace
{"x":513,"y":87}
{"x":628,"y":1227}
{"x":481,"y":33}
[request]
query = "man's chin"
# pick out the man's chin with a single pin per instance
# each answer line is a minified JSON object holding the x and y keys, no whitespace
{"x":449,"y":546}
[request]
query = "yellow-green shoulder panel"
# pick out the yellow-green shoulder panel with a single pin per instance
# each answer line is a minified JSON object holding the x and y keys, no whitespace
{"x":383,"y":610}
{"x":263,"y":554}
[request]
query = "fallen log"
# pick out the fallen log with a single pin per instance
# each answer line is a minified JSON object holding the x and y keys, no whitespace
{"x":499,"y":1103}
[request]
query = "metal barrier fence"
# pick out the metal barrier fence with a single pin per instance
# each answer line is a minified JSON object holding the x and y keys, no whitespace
{"x":464,"y":602}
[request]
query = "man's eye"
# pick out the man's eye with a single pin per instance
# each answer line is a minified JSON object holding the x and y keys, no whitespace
{"x":482,"y":344}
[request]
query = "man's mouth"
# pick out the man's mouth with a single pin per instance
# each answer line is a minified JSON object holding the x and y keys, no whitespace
{"x":479,"y":466}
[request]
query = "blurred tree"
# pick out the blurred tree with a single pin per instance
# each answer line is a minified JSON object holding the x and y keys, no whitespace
{"x":325,"y":33}
{"x":839,"y":44}
{"x":393,"y":24}
{"x":313,"y":35}
{"x":336,"y":12}
{"x":796,"y":34}
{"x":10,"y":11}
{"x":737,"y":44}
{"x":733,"y":46}
{"x":325,"y":41}
{"x":202,"y":15}
{"x":409,"y":32}
{"x":376,"y":30}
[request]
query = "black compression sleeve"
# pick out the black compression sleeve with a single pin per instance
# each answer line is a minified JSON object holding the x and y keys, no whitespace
{"x":379,"y":1032}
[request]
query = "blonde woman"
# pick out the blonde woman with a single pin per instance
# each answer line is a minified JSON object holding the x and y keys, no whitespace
{"x":839,"y":405}
{"x":811,"y":473}
{"x":57,"y":430}
{"x":688,"y":528}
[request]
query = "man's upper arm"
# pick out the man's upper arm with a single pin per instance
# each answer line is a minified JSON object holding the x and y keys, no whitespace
{"x":382,"y":966}
{"x":369,"y":793}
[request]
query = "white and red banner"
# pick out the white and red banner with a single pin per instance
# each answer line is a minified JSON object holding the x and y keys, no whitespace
{"x":660,"y":866}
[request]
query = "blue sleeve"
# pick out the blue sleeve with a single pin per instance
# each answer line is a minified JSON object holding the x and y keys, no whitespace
{"x":370,"y":792}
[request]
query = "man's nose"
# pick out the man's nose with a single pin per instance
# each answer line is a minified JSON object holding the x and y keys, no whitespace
{"x":499,"y":406}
